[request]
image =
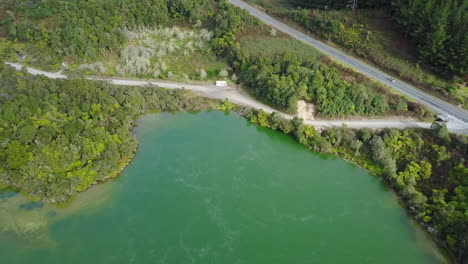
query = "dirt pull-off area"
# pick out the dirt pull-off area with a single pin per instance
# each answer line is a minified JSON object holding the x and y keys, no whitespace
{"x":305,"y":110}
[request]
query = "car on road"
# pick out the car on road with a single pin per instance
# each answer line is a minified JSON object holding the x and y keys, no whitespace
{"x":392,"y":80}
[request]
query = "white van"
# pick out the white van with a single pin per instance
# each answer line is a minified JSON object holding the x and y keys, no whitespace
{"x":221,"y":83}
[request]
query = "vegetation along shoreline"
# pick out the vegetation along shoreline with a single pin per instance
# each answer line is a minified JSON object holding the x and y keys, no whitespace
{"x":59,"y":137}
{"x":422,"y":166}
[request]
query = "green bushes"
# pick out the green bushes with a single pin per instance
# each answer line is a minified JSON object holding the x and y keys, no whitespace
{"x":285,"y":79}
{"x":228,"y":22}
{"x":58,"y":137}
{"x":330,"y":28}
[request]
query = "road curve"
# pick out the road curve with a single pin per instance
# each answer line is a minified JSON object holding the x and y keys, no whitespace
{"x":237,"y":96}
{"x":436,"y":104}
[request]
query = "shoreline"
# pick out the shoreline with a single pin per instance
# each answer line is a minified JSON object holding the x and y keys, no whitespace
{"x":338,"y":154}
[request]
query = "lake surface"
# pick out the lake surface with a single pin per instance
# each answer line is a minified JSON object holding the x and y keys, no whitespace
{"x":212,"y":188}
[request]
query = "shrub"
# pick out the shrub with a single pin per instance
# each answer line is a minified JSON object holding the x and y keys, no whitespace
{"x":223,"y":73}
{"x":273,"y":32}
{"x":203,"y":74}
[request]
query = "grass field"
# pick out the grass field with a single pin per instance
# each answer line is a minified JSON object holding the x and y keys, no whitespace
{"x":260,"y":41}
{"x":269,"y":46}
{"x":193,"y":63}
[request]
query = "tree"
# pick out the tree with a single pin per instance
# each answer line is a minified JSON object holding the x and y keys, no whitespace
{"x":17,"y":154}
{"x":27,"y":133}
{"x":389,"y":166}
{"x":202,"y":74}
{"x":442,"y":133}
{"x":459,"y":175}
{"x":402,"y":106}
{"x":378,"y":148}
{"x":223,"y":73}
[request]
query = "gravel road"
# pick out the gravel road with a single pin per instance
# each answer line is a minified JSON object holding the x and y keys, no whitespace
{"x":237,"y":96}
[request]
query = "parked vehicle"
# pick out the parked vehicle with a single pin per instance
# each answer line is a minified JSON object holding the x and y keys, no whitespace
{"x":221,"y":83}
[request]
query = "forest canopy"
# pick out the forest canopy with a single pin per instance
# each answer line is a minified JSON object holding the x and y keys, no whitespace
{"x":437,"y":28}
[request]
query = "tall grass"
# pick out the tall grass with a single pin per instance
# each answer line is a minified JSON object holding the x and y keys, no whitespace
{"x":151,"y":47}
{"x":93,"y":67}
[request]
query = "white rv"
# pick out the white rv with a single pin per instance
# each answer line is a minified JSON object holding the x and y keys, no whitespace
{"x":221,"y":83}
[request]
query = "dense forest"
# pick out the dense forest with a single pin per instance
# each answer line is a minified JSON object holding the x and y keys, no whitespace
{"x":437,"y":28}
{"x":428,"y":168}
{"x":58,"y":137}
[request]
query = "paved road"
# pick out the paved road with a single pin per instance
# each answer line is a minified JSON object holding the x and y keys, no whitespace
{"x":455,"y":113}
{"x":239,"y":97}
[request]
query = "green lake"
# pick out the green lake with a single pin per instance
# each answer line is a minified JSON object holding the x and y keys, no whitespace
{"x":212,"y":188}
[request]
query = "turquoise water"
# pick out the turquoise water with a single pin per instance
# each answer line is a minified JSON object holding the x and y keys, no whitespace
{"x":212,"y":188}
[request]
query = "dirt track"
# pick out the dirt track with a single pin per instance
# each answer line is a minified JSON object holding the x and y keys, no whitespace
{"x":237,"y":96}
